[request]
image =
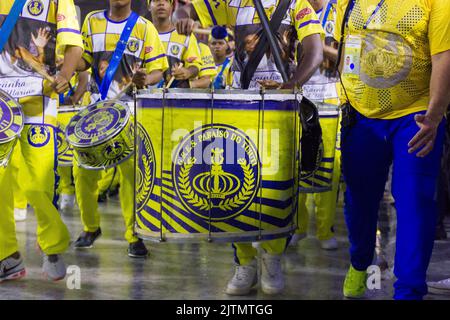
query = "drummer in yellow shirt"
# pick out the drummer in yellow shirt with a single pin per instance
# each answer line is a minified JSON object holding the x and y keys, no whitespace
{"x":396,"y":74}
{"x":308,"y":31}
{"x":145,"y":56}
{"x":182,"y":51}
{"x":38,"y":146}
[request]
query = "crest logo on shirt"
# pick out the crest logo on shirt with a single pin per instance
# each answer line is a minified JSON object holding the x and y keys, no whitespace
{"x":38,"y":136}
{"x":133,"y":46}
{"x":329,"y":27}
{"x":175,"y":50}
{"x":35,"y":7}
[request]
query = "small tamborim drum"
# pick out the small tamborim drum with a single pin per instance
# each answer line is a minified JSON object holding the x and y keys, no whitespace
{"x":216,"y":166}
{"x":11,"y":125}
{"x":102,"y":135}
{"x":321,"y":179}
{"x":65,"y":150}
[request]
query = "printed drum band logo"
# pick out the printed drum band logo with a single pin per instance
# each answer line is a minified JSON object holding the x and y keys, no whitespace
{"x":6,"y":116}
{"x":133,"y":46}
{"x":216,"y":171}
{"x":145,"y":179}
{"x":35,"y":7}
{"x":97,"y":123}
{"x":38,"y":136}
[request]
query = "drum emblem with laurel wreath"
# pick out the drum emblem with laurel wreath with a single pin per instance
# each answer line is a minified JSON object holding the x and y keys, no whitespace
{"x":216,"y":172}
{"x":145,"y":178}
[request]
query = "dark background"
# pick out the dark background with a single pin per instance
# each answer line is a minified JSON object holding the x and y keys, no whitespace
{"x":86,"y":6}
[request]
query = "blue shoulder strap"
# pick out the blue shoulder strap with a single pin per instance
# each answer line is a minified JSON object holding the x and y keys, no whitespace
{"x":117,"y":55}
{"x":10,"y":22}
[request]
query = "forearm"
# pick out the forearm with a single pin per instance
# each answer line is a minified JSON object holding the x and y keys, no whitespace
{"x":193,"y":71}
{"x":184,"y":12}
{"x":330,"y":52}
{"x":72,"y":56}
{"x":311,"y":59}
{"x":201,"y":83}
{"x":82,"y":65}
{"x":81,"y":87}
{"x":154,"y":77}
{"x":439,"y":85}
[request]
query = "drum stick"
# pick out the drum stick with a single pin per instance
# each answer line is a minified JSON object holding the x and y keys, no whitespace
{"x":123,"y":91}
{"x":173,"y":77}
{"x":202,"y":31}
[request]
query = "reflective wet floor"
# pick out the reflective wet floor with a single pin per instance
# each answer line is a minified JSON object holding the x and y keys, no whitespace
{"x":194,"y":271}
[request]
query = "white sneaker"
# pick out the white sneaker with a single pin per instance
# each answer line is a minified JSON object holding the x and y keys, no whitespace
{"x":20,"y":214}
{"x":272,"y":277}
{"x":12,"y":268}
{"x":67,"y":202}
{"x":244,"y":279}
{"x":330,"y":244}
{"x":439,"y":287}
{"x":296,"y":238}
{"x":54,"y":268}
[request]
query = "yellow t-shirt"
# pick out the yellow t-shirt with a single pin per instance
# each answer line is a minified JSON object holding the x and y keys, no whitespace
{"x":181,"y":49}
{"x":395,"y":60}
{"x":144,"y":50}
{"x":300,"y":22}
{"x":208,"y":66}
{"x":42,"y":32}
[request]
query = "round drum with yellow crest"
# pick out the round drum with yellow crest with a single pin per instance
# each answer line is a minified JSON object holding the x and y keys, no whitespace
{"x":11,"y":125}
{"x":102,"y":135}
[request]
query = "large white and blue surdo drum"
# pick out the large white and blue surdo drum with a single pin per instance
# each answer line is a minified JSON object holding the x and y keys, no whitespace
{"x":321,"y":179}
{"x":216,"y":167}
{"x":11,"y":125}
{"x":65,"y":150}
{"x":102,"y":135}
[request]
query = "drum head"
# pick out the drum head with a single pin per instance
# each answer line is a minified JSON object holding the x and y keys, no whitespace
{"x":97,"y":123}
{"x":11,"y":118}
{"x":63,"y":146}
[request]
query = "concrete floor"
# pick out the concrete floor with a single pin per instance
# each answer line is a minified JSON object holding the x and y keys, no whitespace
{"x":189,"y":271}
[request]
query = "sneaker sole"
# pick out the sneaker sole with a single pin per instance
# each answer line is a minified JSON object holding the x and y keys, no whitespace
{"x":271,"y":291}
{"x":15,"y":276}
{"x":239,"y":292}
{"x":137,"y":256}
{"x":53,"y":279}
{"x":439,"y":291}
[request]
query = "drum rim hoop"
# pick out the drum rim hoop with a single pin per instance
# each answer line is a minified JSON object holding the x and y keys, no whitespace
{"x":128,"y":120}
{"x":22,"y":124}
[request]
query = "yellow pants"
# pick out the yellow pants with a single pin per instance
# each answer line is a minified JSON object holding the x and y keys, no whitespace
{"x":20,"y":201}
{"x":87,"y":190}
{"x":325,"y":207}
{"x":39,"y":151}
{"x":110,"y":179}
{"x":66,"y":185}
{"x":325,"y":203}
{"x":244,"y":252}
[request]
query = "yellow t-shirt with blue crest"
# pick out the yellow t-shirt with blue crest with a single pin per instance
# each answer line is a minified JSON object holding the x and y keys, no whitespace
{"x":42,"y":32}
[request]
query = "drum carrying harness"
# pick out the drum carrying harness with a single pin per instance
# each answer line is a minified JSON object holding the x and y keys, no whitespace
{"x":10,"y":22}
{"x":116,"y":57}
